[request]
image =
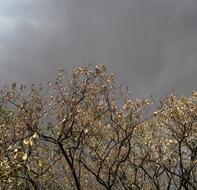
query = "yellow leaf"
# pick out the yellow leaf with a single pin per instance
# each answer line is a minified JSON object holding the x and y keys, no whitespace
{"x":16,"y":150}
{"x":35,"y":136}
{"x":26,"y":142}
{"x":40,"y":163}
{"x":155,"y":113}
{"x":25,"y":156}
{"x":10,"y":147}
{"x":31,"y":141}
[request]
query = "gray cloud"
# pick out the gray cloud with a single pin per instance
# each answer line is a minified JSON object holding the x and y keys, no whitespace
{"x":149,"y":44}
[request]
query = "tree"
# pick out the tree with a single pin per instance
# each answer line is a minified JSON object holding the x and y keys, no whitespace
{"x":86,"y":132}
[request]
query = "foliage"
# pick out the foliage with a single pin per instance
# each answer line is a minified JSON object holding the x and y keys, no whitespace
{"x":86,"y":132}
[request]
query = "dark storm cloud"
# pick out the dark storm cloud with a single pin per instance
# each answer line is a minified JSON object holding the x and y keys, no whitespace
{"x":149,"y":44}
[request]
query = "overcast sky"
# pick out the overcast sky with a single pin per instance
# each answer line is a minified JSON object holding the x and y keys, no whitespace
{"x":151,"y":45}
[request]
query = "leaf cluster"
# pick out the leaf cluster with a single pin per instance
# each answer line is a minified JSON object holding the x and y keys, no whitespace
{"x":86,"y":132}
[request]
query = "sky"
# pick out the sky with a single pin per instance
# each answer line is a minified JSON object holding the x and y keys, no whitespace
{"x":150,"y":45}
